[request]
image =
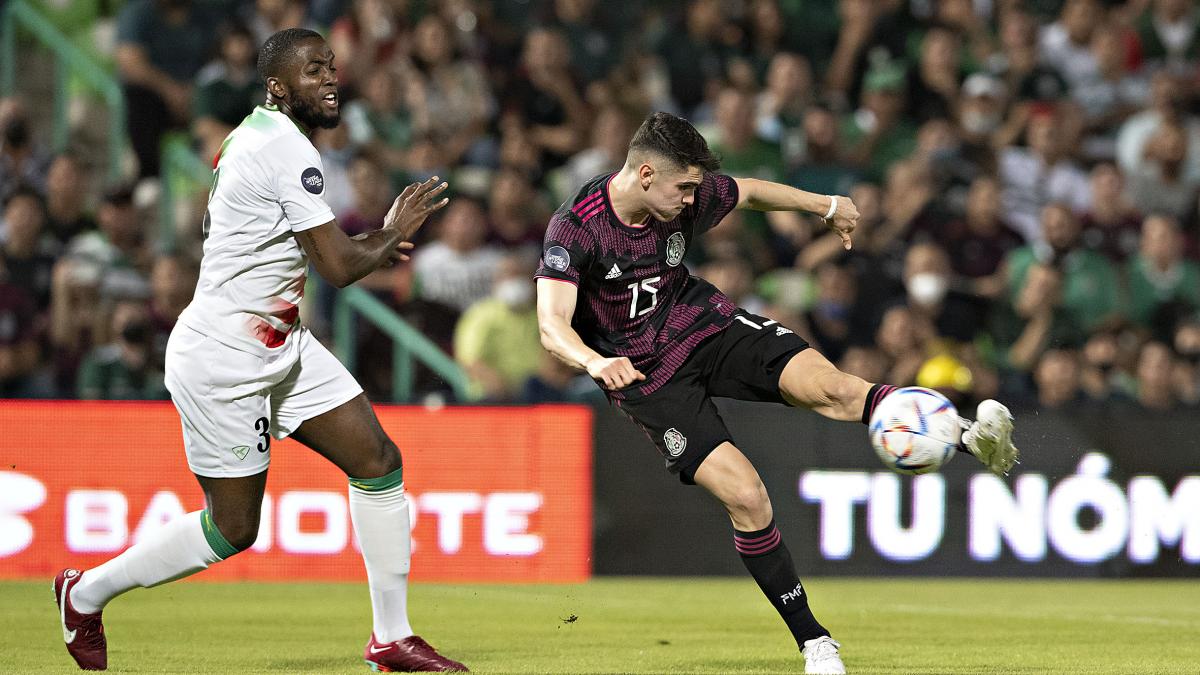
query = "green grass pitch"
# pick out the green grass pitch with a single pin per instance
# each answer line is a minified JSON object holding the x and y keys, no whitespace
{"x":650,"y":625}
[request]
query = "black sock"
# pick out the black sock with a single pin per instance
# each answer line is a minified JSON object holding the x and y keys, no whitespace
{"x":874,"y":396}
{"x":770,"y":563}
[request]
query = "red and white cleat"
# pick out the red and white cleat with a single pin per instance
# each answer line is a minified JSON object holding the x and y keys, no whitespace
{"x":410,"y":655}
{"x":83,"y":633}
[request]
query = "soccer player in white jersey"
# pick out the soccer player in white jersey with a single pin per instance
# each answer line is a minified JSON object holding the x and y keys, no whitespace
{"x":241,"y":369}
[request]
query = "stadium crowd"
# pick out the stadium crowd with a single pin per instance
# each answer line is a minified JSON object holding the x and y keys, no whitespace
{"x":1028,"y":176}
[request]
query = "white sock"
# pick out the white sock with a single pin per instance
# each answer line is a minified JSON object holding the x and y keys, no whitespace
{"x":380,"y":518}
{"x":176,"y":550}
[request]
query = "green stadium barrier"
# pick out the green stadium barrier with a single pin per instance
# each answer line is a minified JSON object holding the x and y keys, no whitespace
{"x":69,"y":62}
{"x":183,"y":171}
{"x":407,"y":344}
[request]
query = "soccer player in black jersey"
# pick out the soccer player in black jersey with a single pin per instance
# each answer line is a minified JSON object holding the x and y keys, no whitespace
{"x":614,"y":299}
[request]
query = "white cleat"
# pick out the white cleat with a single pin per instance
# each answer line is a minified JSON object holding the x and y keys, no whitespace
{"x":989,"y":437}
{"x":821,"y":656}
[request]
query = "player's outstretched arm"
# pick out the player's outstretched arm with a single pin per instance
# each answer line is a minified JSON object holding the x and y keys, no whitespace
{"x":760,"y":195}
{"x":555,"y":308}
{"x":343,"y":260}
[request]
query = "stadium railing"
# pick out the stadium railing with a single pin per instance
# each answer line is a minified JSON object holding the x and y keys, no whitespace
{"x":408,"y":344}
{"x":69,"y":61}
{"x":183,"y":174}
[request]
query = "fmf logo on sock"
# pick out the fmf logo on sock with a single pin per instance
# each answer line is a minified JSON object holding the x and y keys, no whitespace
{"x":793,"y":594}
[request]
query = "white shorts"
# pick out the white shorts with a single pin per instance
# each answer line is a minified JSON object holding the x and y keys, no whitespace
{"x":232,"y":402}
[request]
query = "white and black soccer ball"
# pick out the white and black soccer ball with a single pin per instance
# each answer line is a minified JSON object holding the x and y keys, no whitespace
{"x":915,"y":430}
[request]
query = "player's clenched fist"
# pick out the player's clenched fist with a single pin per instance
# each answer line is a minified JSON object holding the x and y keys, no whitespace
{"x":614,"y":373}
{"x":414,"y":205}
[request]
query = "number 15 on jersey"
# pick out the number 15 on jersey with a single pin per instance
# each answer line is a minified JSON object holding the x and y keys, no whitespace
{"x":648,"y":296}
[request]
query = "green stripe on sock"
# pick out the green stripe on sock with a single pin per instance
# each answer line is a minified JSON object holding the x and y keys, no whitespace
{"x":379,"y":484}
{"x":216,"y":540}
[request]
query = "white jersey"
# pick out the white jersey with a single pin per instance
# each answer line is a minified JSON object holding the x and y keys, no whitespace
{"x":267,"y":185}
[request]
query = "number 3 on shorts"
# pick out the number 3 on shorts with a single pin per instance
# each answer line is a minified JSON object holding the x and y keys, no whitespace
{"x":263,"y":426}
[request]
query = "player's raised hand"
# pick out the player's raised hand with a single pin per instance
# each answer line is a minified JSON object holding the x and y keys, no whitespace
{"x":844,"y":220}
{"x":614,"y":373}
{"x":414,"y":205}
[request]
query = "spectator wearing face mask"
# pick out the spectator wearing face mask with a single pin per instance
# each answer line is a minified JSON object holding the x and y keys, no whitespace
{"x":497,"y":340}
{"x":953,"y":365}
{"x":1169,"y":32}
{"x":979,"y":117}
{"x":928,"y":293}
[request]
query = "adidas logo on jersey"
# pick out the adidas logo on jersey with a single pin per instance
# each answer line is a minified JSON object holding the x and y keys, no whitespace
{"x":613,"y":273}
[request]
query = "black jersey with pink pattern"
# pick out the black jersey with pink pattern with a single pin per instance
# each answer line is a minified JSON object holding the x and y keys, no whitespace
{"x":636,"y":297}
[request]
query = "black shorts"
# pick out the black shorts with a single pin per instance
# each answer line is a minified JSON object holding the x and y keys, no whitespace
{"x":744,"y":361}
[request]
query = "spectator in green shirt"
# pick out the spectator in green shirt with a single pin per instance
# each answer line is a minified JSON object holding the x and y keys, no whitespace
{"x":497,"y":339}
{"x":1163,"y":286}
{"x":1089,"y":286}
{"x":1168,"y":32}
{"x":123,"y":368}
{"x":741,"y":150}
{"x":744,"y":153}
{"x":877,"y":135}
{"x":226,"y":89}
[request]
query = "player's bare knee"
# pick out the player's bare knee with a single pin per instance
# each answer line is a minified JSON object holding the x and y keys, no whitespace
{"x":383,"y":459}
{"x":241,"y":530}
{"x":749,"y":502}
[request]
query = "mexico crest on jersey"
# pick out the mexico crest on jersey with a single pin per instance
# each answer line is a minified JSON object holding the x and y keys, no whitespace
{"x":676,"y":442}
{"x":676,"y":245}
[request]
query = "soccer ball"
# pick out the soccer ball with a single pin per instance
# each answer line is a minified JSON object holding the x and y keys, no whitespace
{"x":914,"y":430}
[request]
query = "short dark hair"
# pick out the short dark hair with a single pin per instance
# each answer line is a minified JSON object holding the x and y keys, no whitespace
{"x":278,"y":50}
{"x":675,"y":139}
{"x":27,"y":191}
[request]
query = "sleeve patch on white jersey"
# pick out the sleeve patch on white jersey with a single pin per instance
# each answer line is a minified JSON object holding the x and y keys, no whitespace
{"x":312,"y":180}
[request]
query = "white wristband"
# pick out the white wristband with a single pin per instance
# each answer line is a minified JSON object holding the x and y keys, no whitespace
{"x":832,"y":207}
